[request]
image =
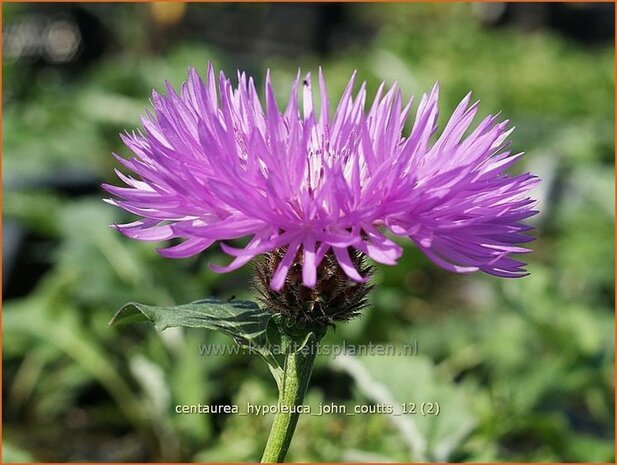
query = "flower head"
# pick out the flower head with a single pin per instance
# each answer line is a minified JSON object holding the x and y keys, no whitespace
{"x":215,"y":164}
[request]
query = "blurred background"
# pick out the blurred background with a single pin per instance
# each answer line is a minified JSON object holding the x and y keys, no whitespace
{"x":522,"y":369}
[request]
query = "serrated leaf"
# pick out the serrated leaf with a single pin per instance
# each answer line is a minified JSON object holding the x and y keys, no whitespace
{"x":244,"y":321}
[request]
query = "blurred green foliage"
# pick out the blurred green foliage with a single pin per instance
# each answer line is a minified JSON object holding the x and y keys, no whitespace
{"x":523,"y":370}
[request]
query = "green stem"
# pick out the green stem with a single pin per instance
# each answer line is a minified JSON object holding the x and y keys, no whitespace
{"x":296,"y":375}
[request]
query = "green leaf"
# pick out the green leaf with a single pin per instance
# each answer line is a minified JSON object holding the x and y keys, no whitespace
{"x":411,"y":382}
{"x":244,"y":321}
{"x":33,"y":317}
{"x":13,"y":454}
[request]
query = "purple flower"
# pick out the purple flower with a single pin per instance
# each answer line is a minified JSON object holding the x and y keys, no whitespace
{"x":213,"y":165}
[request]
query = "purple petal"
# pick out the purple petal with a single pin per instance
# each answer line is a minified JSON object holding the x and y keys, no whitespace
{"x":278,"y":278}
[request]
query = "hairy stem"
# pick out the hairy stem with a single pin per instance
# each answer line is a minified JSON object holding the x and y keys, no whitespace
{"x":296,"y":375}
